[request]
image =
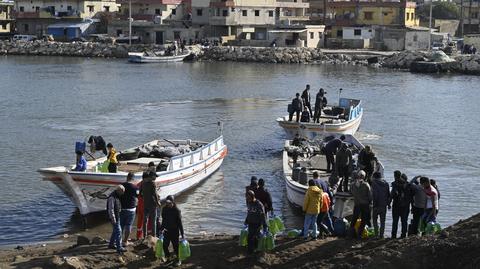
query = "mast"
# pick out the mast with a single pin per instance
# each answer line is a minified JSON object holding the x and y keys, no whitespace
{"x":430,"y":27}
{"x":129,"y":22}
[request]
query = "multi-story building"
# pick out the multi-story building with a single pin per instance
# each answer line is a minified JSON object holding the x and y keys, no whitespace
{"x":6,"y":19}
{"x":34,"y":16}
{"x":471,"y":16}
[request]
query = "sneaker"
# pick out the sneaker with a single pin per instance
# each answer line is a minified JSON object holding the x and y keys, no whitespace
{"x":178,"y":263}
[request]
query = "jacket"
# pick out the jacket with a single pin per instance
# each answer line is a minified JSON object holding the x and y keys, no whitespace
{"x":297,"y":104}
{"x":172,"y":220}
{"x":114,"y":207}
{"x":129,"y":199}
{"x":322,"y":184}
{"x":380,"y":193}
{"x":264,"y":196}
{"x":343,"y":157}
{"x":112,"y":156}
{"x":306,"y":97}
{"x":320,"y":101}
{"x":362,"y":194}
{"x":400,"y":194}
{"x":81,"y":165}
{"x":313,"y":200}
{"x":255,"y":213}
{"x":325,"y":203}
{"x":148,"y":191}
{"x":419,"y":196}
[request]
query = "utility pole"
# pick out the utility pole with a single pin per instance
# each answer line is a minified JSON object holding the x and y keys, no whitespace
{"x":461,"y":19}
{"x":430,"y":27}
{"x":130,"y":22}
{"x":470,"y":17}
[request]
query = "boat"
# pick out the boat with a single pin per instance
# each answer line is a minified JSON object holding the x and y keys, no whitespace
{"x":344,"y":119}
{"x":155,"y":57}
{"x":310,"y":156}
{"x":181,"y":165}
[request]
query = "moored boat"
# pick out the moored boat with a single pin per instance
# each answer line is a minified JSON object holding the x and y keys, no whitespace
{"x":309,"y":155}
{"x":344,"y":118}
{"x":181,"y":165}
{"x":143,"y":57}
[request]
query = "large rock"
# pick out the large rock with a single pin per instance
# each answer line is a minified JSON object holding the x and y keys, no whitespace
{"x":82,"y":240}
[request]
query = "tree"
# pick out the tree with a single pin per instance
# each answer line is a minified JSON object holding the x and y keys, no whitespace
{"x":440,"y":10}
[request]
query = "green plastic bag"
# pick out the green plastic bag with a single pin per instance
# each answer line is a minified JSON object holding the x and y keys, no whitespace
{"x":183,"y":250}
{"x":433,"y":228}
{"x":279,"y":223}
{"x":293,"y":233}
{"x":104,"y":167}
{"x":371,"y":232}
{"x":272,"y":226}
{"x":269,"y":241}
{"x":261,"y":243}
{"x":159,"y":248}
{"x":243,"y":241}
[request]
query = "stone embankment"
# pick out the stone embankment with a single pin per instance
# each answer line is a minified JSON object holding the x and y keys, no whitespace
{"x":415,"y":61}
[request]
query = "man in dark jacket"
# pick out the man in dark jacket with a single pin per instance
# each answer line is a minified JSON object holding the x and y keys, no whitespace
{"x":171,"y":226}
{"x":381,"y":200}
{"x":320,"y":103}
{"x":97,"y":143}
{"x":330,"y":150}
{"x":129,"y":202}
{"x":296,"y":107}
{"x":344,"y":164}
{"x":366,"y":161}
{"x":306,"y":99}
{"x":418,"y":204}
{"x":114,"y":207}
{"x":322,"y":184}
{"x":362,"y":199}
{"x":400,"y":196}
{"x":255,"y":220}
{"x":263,"y":195}
{"x":252,"y":187}
{"x":151,"y":201}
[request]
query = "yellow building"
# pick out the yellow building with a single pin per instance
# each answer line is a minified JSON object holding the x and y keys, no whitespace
{"x":6,"y":19}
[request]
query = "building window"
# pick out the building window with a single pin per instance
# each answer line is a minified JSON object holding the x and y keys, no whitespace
{"x":320,"y":35}
{"x":270,"y":13}
{"x":408,"y":16}
{"x":69,"y":8}
{"x":22,"y":9}
{"x":91,"y":8}
{"x":415,"y":38}
{"x":174,"y":11}
{"x":368,"y":15}
{"x":158,"y":12}
{"x":257,"y":13}
{"x":106,"y":8}
{"x":357,"y":32}
{"x":4,"y":26}
{"x":25,"y":27}
{"x":225,"y":12}
{"x":339,"y":33}
{"x":37,"y":9}
{"x":176,"y":34}
{"x":244,"y":13}
{"x":199,"y":12}
{"x":312,"y":35}
{"x":119,"y":32}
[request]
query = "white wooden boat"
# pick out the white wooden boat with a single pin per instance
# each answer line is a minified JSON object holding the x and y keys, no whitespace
{"x":315,"y":161}
{"x":89,"y":190}
{"x":344,"y":118}
{"x":141,"y":57}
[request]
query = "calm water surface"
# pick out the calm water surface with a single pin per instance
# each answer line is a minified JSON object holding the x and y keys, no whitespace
{"x":416,"y":123}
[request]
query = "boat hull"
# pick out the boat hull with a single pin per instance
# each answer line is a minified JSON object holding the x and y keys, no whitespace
{"x":140,"y":58}
{"x":89,"y":191}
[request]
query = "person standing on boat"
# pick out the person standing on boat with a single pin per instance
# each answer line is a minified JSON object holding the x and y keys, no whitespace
{"x":171,"y":227}
{"x":344,"y":166}
{"x":400,"y":195}
{"x":312,"y":203}
{"x":366,"y":161}
{"x":306,"y":99}
{"x":129,"y":201}
{"x":114,"y":207}
{"x":97,"y":143}
{"x":151,"y":201}
{"x":264,"y":196}
{"x":112,"y":158}
{"x":381,"y":201}
{"x":362,"y":199}
{"x":320,"y":103}
{"x":296,"y":107}
{"x":418,"y":204}
{"x":330,"y":149}
{"x":81,"y":164}
{"x":255,"y":220}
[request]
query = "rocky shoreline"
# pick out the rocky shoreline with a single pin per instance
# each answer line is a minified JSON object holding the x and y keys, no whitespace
{"x":462,"y":64}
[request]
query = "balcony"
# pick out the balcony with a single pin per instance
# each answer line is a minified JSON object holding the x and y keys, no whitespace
{"x":219,"y":20}
{"x":292,"y":4}
{"x":26,"y":15}
{"x":228,"y":3}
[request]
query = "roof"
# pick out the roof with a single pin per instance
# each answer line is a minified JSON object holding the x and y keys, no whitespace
{"x":287,"y":31}
{"x":419,"y":28}
{"x":70,"y":25}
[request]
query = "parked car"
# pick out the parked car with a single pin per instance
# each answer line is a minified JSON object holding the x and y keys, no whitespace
{"x":437,"y":46}
{"x":24,"y":37}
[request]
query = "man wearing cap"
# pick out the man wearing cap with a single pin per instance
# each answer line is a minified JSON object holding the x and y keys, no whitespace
{"x":255,"y":220}
{"x":171,"y":226}
{"x":114,"y":207}
{"x":320,"y":103}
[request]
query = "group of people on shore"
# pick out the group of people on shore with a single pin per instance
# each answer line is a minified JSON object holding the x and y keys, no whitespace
{"x":301,"y":106}
{"x":129,"y":200}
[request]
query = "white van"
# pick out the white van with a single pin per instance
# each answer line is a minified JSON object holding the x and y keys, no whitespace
{"x":24,"y":37}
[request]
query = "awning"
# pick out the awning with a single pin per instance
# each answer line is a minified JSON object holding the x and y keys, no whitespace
{"x":288,"y":31}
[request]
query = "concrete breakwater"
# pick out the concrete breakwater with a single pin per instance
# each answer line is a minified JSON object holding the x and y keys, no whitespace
{"x":466,"y":64}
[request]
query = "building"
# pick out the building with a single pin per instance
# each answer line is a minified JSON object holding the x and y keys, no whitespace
{"x":200,"y":12}
{"x":6,"y":18}
{"x":34,"y":16}
{"x":471,"y":16}
{"x":71,"y":31}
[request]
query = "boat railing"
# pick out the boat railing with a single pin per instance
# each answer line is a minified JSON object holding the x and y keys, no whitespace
{"x":353,"y":106}
{"x":196,"y":156}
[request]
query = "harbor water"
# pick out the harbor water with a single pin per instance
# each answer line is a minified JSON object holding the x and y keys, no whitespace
{"x":419,"y":124}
